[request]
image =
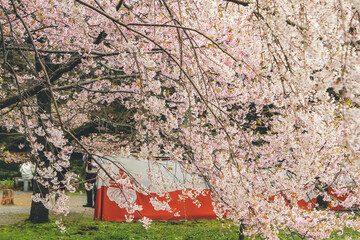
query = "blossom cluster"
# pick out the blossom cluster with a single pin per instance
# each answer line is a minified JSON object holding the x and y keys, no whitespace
{"x":259,"y":98}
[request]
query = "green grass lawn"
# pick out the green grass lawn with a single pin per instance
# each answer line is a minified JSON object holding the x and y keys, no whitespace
{"x":83,"y":227}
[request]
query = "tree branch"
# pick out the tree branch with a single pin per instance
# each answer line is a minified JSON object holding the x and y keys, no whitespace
{"x":240,"y":2}
{"x":68,"y":66}
{"x":118,"y":6}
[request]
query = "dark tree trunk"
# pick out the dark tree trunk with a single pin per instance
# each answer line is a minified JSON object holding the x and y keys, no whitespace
{"x":39,"y":213}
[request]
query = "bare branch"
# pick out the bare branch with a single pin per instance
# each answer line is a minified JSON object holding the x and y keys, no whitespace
{"x":118,"y":6}
{"x":240,"y":2}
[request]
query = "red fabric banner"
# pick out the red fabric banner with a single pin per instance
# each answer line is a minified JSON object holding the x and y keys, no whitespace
{"x":182,"y":208}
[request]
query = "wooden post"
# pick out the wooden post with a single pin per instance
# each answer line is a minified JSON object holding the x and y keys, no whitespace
{"x":8,"y":197}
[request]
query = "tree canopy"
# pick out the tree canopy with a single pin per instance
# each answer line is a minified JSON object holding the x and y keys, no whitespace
{"x":260,"y":98}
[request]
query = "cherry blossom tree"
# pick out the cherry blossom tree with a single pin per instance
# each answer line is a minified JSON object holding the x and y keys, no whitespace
{"x":260,"y":98}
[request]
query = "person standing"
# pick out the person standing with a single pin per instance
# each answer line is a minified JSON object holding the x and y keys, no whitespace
{"x":27,"y":170}
{"x":91,"y":169}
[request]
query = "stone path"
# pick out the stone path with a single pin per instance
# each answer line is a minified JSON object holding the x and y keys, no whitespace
{"x":22,"y":204}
